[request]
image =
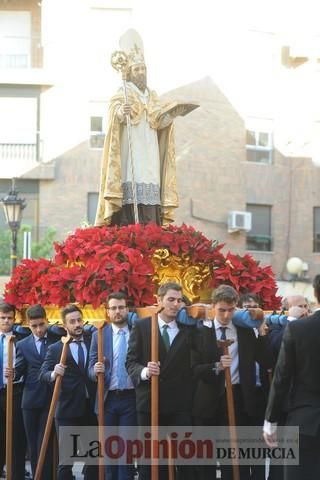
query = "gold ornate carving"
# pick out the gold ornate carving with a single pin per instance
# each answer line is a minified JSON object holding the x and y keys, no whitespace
{"x":194,"y":279}
{"x":90,"y":315}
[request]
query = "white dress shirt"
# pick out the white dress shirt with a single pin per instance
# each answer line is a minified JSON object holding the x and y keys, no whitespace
{"x":115,"y":346}
{"x":231,"y":334}
{"x":5,"y":356}
{"x":172,"y":330}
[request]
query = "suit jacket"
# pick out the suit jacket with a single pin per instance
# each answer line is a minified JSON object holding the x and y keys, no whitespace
{"x":28,"y":364}
{"x":210,"y":387}
{"x":75,"y":385}
{"x":297,"y":372}
{"x":17,"y":337}
{"x":275,"y":335}
{"x":175,"y":381}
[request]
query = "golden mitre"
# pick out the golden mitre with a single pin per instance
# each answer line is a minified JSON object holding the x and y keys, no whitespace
{"x":131,"y":43}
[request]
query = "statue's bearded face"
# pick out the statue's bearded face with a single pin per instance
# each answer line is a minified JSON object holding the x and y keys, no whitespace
{"x":138,"y":76}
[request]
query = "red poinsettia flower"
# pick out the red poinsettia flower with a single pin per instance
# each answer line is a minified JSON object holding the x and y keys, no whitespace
{"x":93,"y":262}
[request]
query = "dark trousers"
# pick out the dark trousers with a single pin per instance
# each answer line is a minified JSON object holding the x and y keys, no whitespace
{"x":309,"y":460}
{"x":18,"y":434}
{"x":35,"y":420}
{"x":120,"y":411}
{"x":220,"y":418}
{"x":87,"y":419}
{"x":182,"y":472}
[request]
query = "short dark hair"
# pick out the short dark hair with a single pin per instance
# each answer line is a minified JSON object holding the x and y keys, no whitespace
{"x":248,"y":297}
{"x":117,"y":296}
{"x":165,"y":287}
{"x":316,"y":286}
{"x":69,"y":309}
{"x":7,"y":307}
{"x":224,"y":293}
{"x":36,"y":311}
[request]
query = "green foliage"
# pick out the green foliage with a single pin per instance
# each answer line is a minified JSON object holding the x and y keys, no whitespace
{"x":5,"y":239}
{"x":41,"y":249}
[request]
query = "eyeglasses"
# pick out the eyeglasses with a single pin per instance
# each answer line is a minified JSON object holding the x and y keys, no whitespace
{"x":120,"y":307}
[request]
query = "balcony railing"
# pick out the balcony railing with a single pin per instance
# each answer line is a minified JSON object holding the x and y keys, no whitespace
{"x":21,"y":52}
{"x":19,"y":151}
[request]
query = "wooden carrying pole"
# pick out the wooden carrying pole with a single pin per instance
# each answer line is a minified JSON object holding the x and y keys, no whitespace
{"x":54,"y":401}
{"x":101,"y":426}
{"x":224,"y":344}
{"x":153,"y":311}
{"x":154,"y":395}
{"x":9,"y":406}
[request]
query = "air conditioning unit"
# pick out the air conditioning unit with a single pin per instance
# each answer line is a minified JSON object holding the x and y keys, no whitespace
{"x":239,"y":221}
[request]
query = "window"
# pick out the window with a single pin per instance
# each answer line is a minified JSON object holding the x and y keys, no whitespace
{"x":316,"y":229}
{"x":92,"y":207}
{"x":15,"y":45}
{"x":259,"y":140}
{"x":259,"y":146}
{"x":97,"y":134}
{"x":259,"y":238}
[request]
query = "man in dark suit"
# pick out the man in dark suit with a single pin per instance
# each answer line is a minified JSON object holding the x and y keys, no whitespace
{"x":173,"y":369}
{"x":36,"y":396}
{"x":210,"y":406}
{"x":297,"y":307}
{"x":119,"y":393}
{"x":7,"y":317}
{"x":296,"y":382}
{"x":75,"y":403}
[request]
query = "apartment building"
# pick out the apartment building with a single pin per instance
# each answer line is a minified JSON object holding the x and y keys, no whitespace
{"x":245,"y":159}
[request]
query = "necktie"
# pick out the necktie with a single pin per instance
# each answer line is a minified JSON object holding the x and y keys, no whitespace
{"x":1,"y":360}
{"x":43,"y":348}
{"x":223,"y":333}
{"x":165,"y":337}
{"x":81,"y":361}
{"x":122,"y":355}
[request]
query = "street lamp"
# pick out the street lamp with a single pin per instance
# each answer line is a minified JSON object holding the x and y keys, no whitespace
{"x":13,"y":207}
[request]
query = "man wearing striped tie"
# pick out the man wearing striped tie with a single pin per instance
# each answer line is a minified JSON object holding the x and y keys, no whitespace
{"x":210,"y":406}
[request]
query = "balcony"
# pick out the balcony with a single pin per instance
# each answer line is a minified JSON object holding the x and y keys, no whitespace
{"x":23,"y":160}
{"x":21,"y":52}
{"x":23,"y":152}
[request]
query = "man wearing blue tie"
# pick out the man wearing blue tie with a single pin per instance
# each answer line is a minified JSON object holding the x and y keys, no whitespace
{"x":119,"y":393}
{"x":36,"y":397}
{"x":75,"y":403}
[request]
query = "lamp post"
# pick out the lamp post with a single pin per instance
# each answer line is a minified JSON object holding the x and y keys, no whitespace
{"x":13,"y":207}
{"x":295,"y":268}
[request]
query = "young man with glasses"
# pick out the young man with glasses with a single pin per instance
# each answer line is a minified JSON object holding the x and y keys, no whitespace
{"x":119,"y":392}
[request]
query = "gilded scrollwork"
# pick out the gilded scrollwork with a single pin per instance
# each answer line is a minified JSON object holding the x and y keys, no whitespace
{"x":194,"y":279}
